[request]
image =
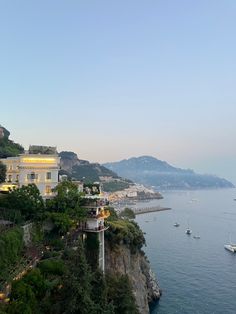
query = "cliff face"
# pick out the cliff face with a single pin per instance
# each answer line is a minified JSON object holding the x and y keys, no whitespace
{"x":68,"y":160}
{"x":145,"y":286}
{"x":7,"y":147}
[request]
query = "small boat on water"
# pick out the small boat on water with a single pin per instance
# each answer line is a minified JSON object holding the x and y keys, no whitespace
{"x":196,"y":237}
{"x":230,"y":247}
{"x":176,"y":224}
{"x":188,"y":231}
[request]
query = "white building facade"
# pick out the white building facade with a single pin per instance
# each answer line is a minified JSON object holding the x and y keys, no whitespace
{"x":40,"y":169}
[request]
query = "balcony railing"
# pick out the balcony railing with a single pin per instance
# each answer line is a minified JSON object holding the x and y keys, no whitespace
{"x":94,"y":229}
{"x":102,"y":214}
{"x":94,"y":203}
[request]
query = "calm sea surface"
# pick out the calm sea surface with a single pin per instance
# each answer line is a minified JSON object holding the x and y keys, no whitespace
{"x":196,"y":275}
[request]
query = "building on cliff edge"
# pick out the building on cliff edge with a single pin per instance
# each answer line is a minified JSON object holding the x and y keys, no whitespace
{"x":96,"y":206}
{"x":40,"y":165}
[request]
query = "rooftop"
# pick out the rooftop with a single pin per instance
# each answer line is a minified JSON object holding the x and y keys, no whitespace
{"x":45,"y":150}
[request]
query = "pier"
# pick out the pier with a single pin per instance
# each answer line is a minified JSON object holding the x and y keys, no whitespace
{"x":144,"y":210}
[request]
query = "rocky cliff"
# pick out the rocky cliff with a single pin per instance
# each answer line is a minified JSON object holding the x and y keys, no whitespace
{"x":145,"y":287}
{"x":7,"y":147}
{"x":68,"y":160}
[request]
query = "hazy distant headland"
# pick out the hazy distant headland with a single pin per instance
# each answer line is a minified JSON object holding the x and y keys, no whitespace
{"x":145,"y":170}
{"x":151,"y":171}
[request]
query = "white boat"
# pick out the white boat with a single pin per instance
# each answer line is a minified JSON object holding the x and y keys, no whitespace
{"x":176,"y":224}
{"x":196,"y":237}
{"x":230,"y":247}
{"x":188,"y":231}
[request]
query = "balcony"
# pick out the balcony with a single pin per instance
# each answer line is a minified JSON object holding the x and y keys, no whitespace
{"x":102,"y":214}
{"x":91,"y":203}
{"x":95,"y":229}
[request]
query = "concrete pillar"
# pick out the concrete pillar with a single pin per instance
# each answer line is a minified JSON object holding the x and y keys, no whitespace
{"x":101,"y":258}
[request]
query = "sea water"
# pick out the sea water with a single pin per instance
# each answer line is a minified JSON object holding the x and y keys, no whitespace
{"x":195,"y":275}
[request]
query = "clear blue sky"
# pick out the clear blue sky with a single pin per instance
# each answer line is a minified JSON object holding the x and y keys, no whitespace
{"x":115,"y":79}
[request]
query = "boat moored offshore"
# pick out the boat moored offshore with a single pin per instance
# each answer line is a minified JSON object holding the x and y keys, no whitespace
{"x":188,"y":231}
{"x":230,"y":247}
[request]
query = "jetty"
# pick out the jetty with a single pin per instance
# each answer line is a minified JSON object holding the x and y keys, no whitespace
{"x":144,"y":210}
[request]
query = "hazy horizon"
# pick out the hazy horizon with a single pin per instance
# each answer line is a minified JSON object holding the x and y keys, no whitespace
{"x":113,"y":80}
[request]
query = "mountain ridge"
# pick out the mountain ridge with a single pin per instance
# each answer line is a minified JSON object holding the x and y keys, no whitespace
{"x":151,"y":171}
{"x":83,"y":170}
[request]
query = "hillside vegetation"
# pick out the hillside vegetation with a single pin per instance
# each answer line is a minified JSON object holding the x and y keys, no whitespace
{"x":7,"y":147}
{"x":58,"y":273}
{"x":83,"y":170}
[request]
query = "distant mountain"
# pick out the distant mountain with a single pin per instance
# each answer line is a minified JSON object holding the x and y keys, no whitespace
{"x":78,"y":169}
{"x":151,"y":171}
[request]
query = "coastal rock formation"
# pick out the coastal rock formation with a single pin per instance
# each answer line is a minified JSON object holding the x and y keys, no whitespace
{"x":7,"y":147}
{"x":68,"y":160}
{"x":145,"y":287}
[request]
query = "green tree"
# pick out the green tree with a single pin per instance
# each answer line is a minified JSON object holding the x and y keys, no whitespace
{"x":17,"y":307}
{"x":77,"y":284}
{"x":125,"y":232}
{"x":36,"y":281}
{"x":127,"y":213}
{"x":78,"y":213}
{"x":67,"y":196}
{"x":23,"y":293}
{"x":2,"y":172}
{"x":11,"y":246}
{"x":100,"y":294}
{"x":27,"y":200}
{"x":120,"y":293}
{"x":61,"y":221}
{"x":113,"y":215}
{"x":52,"y":267}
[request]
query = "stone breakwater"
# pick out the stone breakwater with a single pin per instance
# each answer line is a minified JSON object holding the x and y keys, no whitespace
{"x":144,"y":210}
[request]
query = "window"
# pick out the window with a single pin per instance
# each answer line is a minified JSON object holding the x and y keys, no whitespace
{"x":9,"y":178}
{"x":48,"y":176}
{"x":32,"y":176}
{"x":48,"y":189}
